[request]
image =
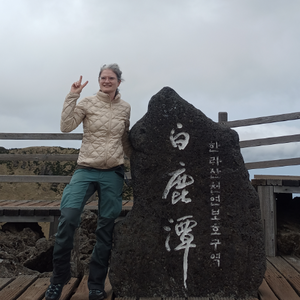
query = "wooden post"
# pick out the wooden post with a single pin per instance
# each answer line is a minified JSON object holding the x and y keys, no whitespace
{"x":268,"y":212}
{"x":222,"y":117}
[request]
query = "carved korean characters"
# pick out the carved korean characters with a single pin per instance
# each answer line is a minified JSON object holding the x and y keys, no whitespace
{"x":215,"y":200}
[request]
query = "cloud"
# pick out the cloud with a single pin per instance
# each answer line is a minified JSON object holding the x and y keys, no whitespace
{"x":235,"y":56}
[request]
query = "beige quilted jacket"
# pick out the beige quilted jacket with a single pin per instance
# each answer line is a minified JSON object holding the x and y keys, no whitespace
{"x":105,"y":128}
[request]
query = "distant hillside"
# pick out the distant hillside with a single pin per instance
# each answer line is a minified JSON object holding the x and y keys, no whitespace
{"x":39,"y":191}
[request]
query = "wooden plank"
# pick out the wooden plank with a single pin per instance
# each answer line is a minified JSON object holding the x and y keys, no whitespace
{"x":268,"y":215}
{"x":287,"y":189}
{"x":56,"y":203}
{"x":51,"y":210}
{"x":93,"y":203}
{"x":265,"y":293}
{"x":293,"y":260}
{"x":41,"y":212}
{"x":13,"y":211}
{"x":6,"y":202}
{"x":82,"y":292}
{"x":270,"y":141}
{"x":25,"y":219}
{"x":25,"y":203}
{"x":39,"y":203}
{"x":129,"y":203}
{"x":37,"y":208}
{"x":291,"y":275}
{"x":294,"y":183}
{"x":32,"y":204}
{"x":279,"y":284}
{"x":38,"y":157}
{"x":35,"y":178}
{"x":257,"y":182}
{"x":2,"y":206}
{"x":108,"y":289}
{"x":280,"y":177}
{"x":273,"y":163}
{"x":4,"y":282}
{"x":274,"y":182}
{"x":27,"y":211}
{"x":17,"y":287}
{"x":69,"y":289}
{"x":43,"y":208}
{"x":2,"y":201}
{"x":224,"y":298}
{"x":14,"y":203}
{"x":152,"y":298}
{"x":263,"y":120}
{"x":40,"y":136}
{"x":36,"y":291}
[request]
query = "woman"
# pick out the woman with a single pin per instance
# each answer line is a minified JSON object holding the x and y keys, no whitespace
{"x":105,"y":120}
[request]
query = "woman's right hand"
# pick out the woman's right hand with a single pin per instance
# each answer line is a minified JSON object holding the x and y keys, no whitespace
{"x":77,"y":87}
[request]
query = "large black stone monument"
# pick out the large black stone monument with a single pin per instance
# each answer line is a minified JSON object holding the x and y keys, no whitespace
{"x":195,"y":228}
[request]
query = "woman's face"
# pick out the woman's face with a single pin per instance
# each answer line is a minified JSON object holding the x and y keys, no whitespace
{"x":108,"y":82}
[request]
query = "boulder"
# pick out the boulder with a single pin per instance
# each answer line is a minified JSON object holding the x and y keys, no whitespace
{"x":195,"y":227}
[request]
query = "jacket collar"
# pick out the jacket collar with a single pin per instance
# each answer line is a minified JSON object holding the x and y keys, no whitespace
{"x":105,"y":97}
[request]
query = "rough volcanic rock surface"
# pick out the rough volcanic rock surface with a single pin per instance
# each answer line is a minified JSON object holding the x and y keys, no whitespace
{"x":25,"y":250}
{"x":195,"y":227}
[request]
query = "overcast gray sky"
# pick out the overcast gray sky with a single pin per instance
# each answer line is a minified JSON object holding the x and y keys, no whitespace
{"x":239,"y":56}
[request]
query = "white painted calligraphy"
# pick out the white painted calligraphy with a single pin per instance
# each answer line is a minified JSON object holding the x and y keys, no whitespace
{"x":176,"y":196}
{"x":179,"y":181}
{"x":183,"y":230}
{"x":176,"y":141}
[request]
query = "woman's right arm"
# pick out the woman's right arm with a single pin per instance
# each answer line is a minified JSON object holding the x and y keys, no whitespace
{"x":71,"y":115}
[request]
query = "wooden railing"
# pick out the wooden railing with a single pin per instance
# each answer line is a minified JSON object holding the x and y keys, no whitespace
{"x":223,"y":119}
{"x":38,"y":157}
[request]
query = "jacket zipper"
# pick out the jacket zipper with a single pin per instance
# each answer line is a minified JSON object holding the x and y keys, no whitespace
{"x":108,"y":133}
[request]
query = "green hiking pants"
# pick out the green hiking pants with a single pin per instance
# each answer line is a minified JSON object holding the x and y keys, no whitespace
{"x":84,"y":182}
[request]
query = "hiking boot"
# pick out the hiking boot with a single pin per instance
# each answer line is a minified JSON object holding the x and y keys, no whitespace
{"x":54,"y":291}
{"x":97,"y":295}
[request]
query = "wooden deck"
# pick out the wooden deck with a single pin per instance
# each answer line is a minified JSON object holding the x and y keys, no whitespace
{"x":43,"y":208}
{"x":43,"y":211}
{"x":268,"y":188}
{"x":281,"y":282}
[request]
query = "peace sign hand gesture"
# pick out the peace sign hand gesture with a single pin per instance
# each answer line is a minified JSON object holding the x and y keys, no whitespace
{"x":77,"y":87}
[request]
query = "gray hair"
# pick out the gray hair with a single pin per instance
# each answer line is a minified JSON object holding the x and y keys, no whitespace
{"x":115,"y":68}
